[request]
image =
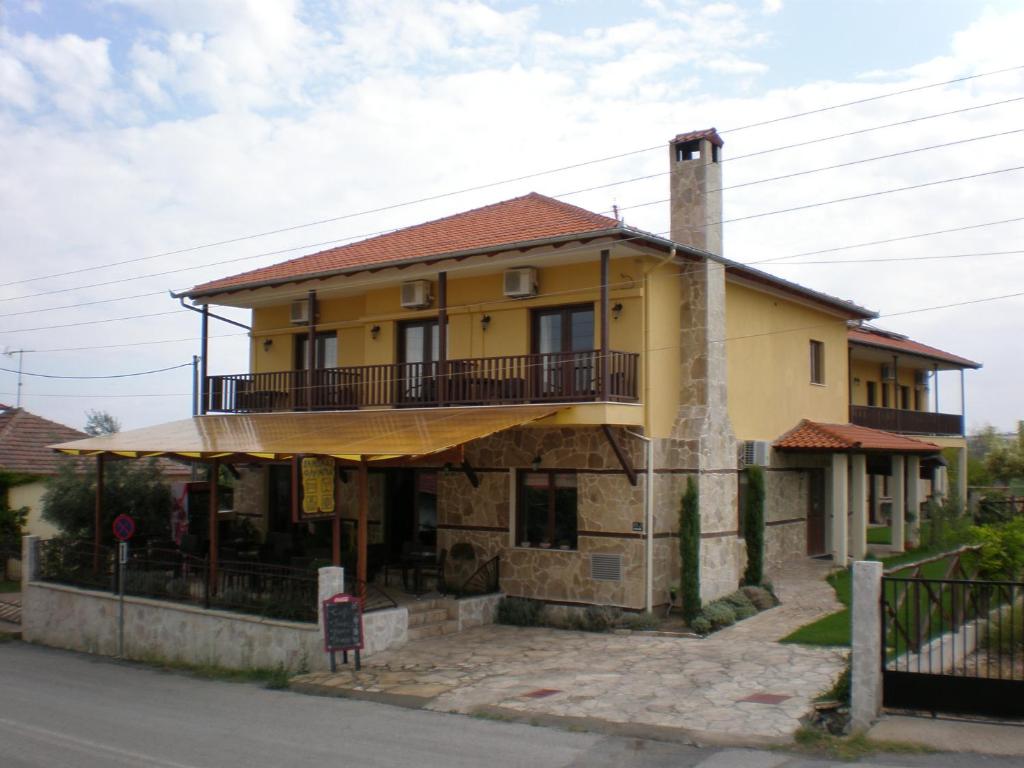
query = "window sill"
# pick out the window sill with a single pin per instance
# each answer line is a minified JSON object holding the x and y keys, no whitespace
{"x":818,"y":384}
{"x":546,"y":549}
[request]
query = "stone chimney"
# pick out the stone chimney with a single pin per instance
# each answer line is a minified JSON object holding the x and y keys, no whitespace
{"x":695,"y":181}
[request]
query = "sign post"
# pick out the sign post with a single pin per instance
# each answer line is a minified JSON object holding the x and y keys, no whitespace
{"x":343,"y":627}
{"x":124,"y":529}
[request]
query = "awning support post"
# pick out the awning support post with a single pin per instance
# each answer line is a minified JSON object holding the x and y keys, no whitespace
{"x":604,"y":367}
{"x":470,"y":474}
{"x":361,"y":530}
{"x":204,"y":353}
{"x":99,"y":515}
{"x":336,"y":520}
{"x":310,"y":350}
{"x":620,"y":454}
{"x":214,"y":492}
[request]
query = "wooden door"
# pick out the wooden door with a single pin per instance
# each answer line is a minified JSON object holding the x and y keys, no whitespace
{"x":816,"y":512}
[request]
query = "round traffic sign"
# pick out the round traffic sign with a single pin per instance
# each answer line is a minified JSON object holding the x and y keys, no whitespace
{"x":124,"y":527}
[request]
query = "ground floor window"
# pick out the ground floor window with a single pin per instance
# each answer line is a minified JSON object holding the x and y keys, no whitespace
{"x":546,"y":510}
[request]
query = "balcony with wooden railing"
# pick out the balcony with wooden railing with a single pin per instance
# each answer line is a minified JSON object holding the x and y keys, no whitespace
{"x":907,"y":422}
{"x":560,"y":377}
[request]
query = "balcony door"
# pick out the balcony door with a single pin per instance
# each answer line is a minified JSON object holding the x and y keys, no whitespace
{"x":563,"y":340}
{"x":417,"y":357}
{"x":319,"y":389}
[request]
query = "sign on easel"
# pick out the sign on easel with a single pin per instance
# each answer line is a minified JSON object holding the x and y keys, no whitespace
{"x":343,"y":627}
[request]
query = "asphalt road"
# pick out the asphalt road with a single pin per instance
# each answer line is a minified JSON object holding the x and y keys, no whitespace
{"x":64,"y":709}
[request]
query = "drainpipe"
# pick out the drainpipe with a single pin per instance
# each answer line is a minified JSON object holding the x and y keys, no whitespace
{"x":648,"y":523}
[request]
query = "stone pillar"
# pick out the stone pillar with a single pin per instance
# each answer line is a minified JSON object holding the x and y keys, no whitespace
{"x":859,"y":502}
{"x":866,"y":639}
{"x":899,"y":507}
{"x":913,"y":501}
{"x":330,"y":582}
{"x":876,"y":497}
{"x":29,"y":560}
{"x":840,"y":509}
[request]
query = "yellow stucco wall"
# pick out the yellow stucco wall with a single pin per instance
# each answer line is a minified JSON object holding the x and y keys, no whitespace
{"x":864,"y":371}
{"x":768,"y":353}
{"x":31,"y":496}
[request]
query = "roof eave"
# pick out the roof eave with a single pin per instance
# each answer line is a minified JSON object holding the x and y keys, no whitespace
{"x":960,"y":362}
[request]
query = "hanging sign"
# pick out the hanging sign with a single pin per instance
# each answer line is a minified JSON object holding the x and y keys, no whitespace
{"x":317,"y":486}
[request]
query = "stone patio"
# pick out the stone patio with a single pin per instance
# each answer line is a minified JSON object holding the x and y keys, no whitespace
{"x":737,"y":685}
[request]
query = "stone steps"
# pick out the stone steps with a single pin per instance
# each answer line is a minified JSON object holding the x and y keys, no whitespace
{"x":431,"y":618}
{"x":448,"y":627}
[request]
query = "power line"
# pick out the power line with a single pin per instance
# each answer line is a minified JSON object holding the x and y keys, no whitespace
{"x":524,"y":177}
{"x":111,"y":376}
{"x":93,"y":322}
{"x":901,"y":258}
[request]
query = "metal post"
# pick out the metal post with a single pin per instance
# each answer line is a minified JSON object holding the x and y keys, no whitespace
{"x":98,"y":521}
{"x":361,"y":531}
{"x":336,"y":521}
{"x":122,"y":561}
{"x":310,"y":349}
{"x":442,"y":337}
{"x":605,"y":377}
{"x":963,"y":405}
{"x":936,"y":378}
{"x":204,"y":352}
{"x":213,"y":533}
{"x":195,"y":385}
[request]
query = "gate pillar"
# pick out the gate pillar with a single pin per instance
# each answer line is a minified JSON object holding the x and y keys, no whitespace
{"x":866,"y":637}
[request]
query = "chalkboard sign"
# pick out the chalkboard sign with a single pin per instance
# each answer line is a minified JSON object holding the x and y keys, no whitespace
{"x":343,"y":624}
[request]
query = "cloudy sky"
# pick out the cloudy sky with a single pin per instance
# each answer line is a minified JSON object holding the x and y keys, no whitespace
{"x":134,"y":131}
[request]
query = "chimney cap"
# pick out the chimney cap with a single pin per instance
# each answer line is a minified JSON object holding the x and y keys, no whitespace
{"x":708,"y":133}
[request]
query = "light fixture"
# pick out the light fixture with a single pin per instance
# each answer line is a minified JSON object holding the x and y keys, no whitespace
{"x":267,"y":344}
{"x":536,"y":463}
{"x":616,"y":310}
{"x":447,"y":468}
{"x":485,"y":322}
{"x":375,"y":332}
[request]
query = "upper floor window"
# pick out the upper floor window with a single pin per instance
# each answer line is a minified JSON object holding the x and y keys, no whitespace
{"x":817,"y":362}
{"x":326,"y":346}
{"x":905,"y":397}
{"x":872,"y":393}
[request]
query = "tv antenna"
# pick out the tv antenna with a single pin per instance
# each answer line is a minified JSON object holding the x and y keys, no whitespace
{"x":8,"y":352}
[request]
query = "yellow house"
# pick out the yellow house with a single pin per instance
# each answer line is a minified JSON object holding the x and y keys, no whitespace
{"x":520,"y":392}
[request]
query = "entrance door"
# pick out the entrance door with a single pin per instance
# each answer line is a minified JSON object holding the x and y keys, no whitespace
{"x":315,"y":391}
{"x":417,"y":357}
{"x":564,"y":340}
{"x":816,"y":512}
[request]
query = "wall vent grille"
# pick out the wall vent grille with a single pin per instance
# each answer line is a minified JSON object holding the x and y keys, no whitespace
{"x":606,"y":567}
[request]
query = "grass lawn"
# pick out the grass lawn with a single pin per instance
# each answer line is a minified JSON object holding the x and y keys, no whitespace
{"x":834,"y":629}
{"x":880,"y":534}
{"x":10,"y":586}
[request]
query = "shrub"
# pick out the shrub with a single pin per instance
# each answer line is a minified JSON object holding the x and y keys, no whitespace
{"x":761,"y":598}
{"x":641,"y":621}
{"x":520,"y":612}
{"x":701,"y":625}
{"x":720,"y":614}
{"x":1002,"y":550}
{"x":689,"y":550}
{"x":753,"y":525}
{"x":741,"y":605}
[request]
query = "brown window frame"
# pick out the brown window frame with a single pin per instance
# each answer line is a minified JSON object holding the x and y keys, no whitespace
{"x":871,"y":393}
{"x":817,"y":362}
{"x":551,"y":521}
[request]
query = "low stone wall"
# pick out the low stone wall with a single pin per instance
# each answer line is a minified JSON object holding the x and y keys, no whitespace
{"x":477,"y":611}
{"x":83,"y":620}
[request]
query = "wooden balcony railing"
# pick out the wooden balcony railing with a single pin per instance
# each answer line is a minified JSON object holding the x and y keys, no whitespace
{"x":555,"y":377}
{"x":907,"y":422}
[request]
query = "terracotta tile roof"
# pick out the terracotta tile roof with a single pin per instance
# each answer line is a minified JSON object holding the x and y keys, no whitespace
{"x":25,"y":439}
{"x":521,"y":219}
{"x":873,"y":338}
{"x":814,"y":436}
{"x":708,"y":133}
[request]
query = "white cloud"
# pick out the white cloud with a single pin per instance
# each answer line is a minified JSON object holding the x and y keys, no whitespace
{"x":770,"y":7}
{"x":17,"y":85}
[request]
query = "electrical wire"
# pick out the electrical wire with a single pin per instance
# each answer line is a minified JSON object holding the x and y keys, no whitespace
{"x":111,"y":376}
{"x":901,"y":258}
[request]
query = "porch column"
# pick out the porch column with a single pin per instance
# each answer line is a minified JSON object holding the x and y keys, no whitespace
{"x":898,"y":504}
{"x":336,"y":520}
{"x":310,"y":351}
{"x":859,"y":502}
{"x":98,"y":522}
{"x":877,"y":482}
{"x":361,"y":529}
{"x":961,"y":476}
{"x":204,"y":350}
{"x":914,"y":500}
{"x":442,"y":338}
{"x":213,"y":533}
{"x":604,"y":368}
{"x":840,"y":509}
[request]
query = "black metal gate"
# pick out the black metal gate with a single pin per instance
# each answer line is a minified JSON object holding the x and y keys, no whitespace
{"x":953,"y":645}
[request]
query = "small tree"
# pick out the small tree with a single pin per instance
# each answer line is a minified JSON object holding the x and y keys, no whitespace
{"x":689,"y":550}
{"x":753,"y":526}
{"x":12,"y":521}
{"x":100,"y":423}
{"x":135,"y":488}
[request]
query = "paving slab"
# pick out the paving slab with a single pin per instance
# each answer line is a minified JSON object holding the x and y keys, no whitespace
{"x":736,"y":686}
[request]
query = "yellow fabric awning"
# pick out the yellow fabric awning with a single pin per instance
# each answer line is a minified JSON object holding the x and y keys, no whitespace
{"x":351,"y":435}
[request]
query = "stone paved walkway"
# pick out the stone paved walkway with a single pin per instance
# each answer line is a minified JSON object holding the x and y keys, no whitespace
{"x":702,"y":686}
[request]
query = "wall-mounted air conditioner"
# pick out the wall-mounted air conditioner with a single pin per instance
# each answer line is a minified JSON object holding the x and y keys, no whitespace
{"x":888,"y":373}
{"x":755,"y":453}
{"x":299,"y":312}
{"x":520,"y":283}
{"x":920,"y":378}
{"x":416,"y":294}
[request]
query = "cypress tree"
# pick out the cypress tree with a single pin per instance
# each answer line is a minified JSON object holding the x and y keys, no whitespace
{"x":689,"y":550}
{"x":753,"y":526}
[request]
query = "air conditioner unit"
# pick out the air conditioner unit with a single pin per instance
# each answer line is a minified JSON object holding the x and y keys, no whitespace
{"x":300,"y":312}
{"x":520,"y":283}
{"x":888,"y":373}
{"x":920,"y":378}
{"x":416,"y":294}
{"x":755,"y":453}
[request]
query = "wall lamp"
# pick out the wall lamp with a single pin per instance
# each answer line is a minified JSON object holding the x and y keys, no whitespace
{"x":267,"y":344}
{"x":616,"y":310}
{"x":485,"y":322}
{"x":536,"y":463}
{"x":375,"y":332}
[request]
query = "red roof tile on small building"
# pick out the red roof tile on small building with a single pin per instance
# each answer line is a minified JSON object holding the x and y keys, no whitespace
{"x":814,"y":436}
{"x":708,"y":133}
{"x":896,"y":343}
{"x":25,"y":439}
{"x":521,"y":219}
